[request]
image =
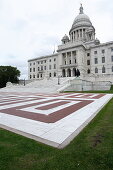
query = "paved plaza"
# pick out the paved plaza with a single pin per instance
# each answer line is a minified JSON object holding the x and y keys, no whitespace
{"x":53,"y":119}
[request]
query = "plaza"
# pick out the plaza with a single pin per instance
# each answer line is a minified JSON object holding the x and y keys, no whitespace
{"x":52,"y":119}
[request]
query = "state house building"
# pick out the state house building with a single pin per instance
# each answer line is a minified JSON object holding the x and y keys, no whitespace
{"x":81,"y":54}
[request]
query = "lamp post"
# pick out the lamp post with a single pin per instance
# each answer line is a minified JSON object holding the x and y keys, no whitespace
{"x":24,"y":82}
{"x":58,"y":79}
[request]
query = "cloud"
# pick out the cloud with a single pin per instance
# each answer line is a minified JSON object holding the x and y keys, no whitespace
{"x":30,"y":28}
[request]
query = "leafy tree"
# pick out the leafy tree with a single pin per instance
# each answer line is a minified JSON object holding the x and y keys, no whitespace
{"x":8,"y":74}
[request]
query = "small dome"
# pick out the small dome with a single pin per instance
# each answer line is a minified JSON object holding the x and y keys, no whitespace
{"x":97,"y":42}
{"x":65,"y":37}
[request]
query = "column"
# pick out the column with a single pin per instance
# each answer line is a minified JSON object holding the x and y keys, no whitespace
{"x":71,"y":72}
{"x":66,"y":59}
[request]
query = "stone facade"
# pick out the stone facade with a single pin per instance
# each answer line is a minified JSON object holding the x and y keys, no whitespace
{"x":81,"y":54}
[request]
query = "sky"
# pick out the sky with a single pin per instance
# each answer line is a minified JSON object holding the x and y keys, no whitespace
{"x":31,"y":28}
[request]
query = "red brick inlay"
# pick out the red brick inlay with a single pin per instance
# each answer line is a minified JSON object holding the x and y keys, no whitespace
{"x":51,"y":106}
{"x":51,"y":118}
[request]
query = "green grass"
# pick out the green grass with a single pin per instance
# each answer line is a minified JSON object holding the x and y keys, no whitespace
{"x":92,"y":149}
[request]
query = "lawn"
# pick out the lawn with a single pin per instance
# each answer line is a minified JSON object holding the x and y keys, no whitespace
{"x":92,"y":149}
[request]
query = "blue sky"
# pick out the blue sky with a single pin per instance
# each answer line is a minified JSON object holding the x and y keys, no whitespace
{"x":31,"y":28}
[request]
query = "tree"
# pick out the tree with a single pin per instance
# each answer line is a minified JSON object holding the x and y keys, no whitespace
{"x":8,"y":74}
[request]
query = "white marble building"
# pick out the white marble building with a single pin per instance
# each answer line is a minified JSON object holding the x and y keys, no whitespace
{"x":81,"y":54}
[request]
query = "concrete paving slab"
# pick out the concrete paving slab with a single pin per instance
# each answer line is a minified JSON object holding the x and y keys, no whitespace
{"x":53,"y":119}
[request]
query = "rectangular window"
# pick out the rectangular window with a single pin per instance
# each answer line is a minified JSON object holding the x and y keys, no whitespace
{"x":112,"y":58}
{"x":33,"y":63}
{"x":38,"y":62}
{"x":112,"y":49}
{"x":88,"y":62}
{"x":65,"y":62}
{"x":44,"y":67}
{"x":103,"y":51}
{"x":45,"y":61}
{"x":50,"y":60}
{"x":88,"y":54}
{"x":33,"y":69}
{"x":96,"y":60}
{"x":103,"y":59}
{"x":41,"y":67}
{"x":69,"y":61}
{"x":95,"y":52}
{"x":30,"y":69}
{"x":38,"y":68}
{"x":41,"y":62}
{"x":30,"y":64}
{"x":49,"y":67}
{"x":54,"y":66}
{"x":54,"y":59}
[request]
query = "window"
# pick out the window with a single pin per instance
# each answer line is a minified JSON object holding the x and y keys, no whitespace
{"x":96,"y":70}
{"x":50,"y":60}
{"x":88,"y":71}
{"x":69,"y":61}
{"x":54,"y":59}
{"x":54,"y":74}
{"x":96,"y":60}
{"x":65,"y":62}
{"x":30,"y":64}
{"x":38,"y":62}
{"x":30,"y":76}
{"x":88,"y":54}
{"x":54,"y":66}
{"x":41,"y":62}
{"x":38,"y":68}
{"x":75,"y":60}
{"x":95,"y":52}
{"x":41,"y":75}
{"x":41,"y":67}
{"x":112,"y":49}
{"x":45,"y":61}
{"x":33,"y":63}
{"x":112,"y":68}
{"x":33,"y":69}
{"x":88,"y":62}
{"x":49,"y":74}
{"x":103,"y":51}
{"x":103,"y":69}
{"x":34,"y":76}
{"x":44,"y":67}
{"x":112,"y":58}
{"x":37,"y":75}
{"x":30,"y":69}
{"x":49,"y":67}
{"x":103,"y":59}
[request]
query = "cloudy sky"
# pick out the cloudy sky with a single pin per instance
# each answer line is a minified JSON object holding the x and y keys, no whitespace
{"x":31,"y":28}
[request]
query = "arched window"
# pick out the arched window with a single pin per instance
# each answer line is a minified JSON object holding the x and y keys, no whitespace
{"x":88,"y":71}
{"x":49,"y":74}
{"x":37,"y":75}
{"x":54,"y":74}
{"x":103,"y":69}
{"x":96,"y":70}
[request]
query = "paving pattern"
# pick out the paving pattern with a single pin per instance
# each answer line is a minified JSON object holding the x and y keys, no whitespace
{"x":54,"y":119}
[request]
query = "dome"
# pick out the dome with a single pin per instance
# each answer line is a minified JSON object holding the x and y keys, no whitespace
{"x":97,"y":42}
{"x":81,"y":20}
{"x":65,"y":37}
